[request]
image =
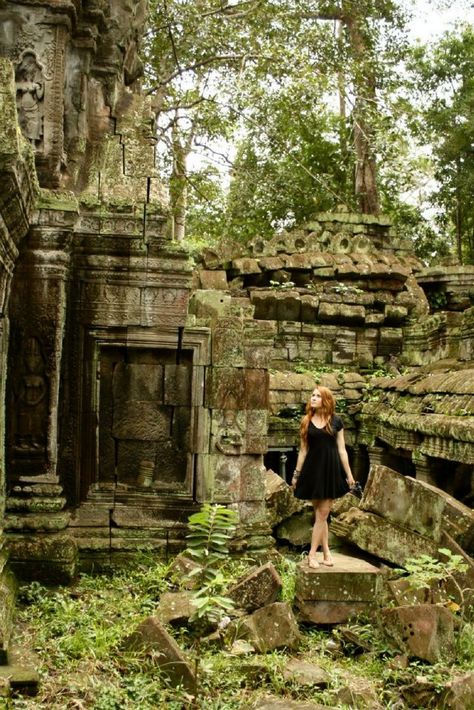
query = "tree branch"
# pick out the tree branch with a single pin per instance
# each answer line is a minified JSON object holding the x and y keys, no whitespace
{"x":202,"y":63}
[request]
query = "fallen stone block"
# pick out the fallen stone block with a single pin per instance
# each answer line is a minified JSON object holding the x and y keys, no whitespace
{"x":331,"y":595}
{"x":359,"y":694}
{"x":382,"y":538}
{"x":175,"y":608}
{"x":344,"y":503}
{"x":21,"y":680}
{"x":257,"y":589}
{"x":180,"y":570}
{"x":403,"y":501}
{"x":151,"y":636}
{"x":273,"y":626}
{"x":425,"y":631}
{"x":458,"y":519}
{"x":458,"y":693}
{"x":303,"y":673}
{"x":279,"y":499}
{"x":296,"y":529}
{"x":420,"y":693}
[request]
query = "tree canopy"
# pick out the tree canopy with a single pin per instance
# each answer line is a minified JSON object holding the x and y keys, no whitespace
{"x":298,"y":106}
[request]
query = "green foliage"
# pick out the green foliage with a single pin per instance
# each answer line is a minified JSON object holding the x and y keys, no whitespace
{"x":209,"y":537}
{"x":437,"y":300}
{"x":443,"y":75}
{"x":424,"y":569}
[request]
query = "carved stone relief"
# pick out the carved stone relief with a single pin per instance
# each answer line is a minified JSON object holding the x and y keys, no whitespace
{"x":29,"y":81}
{"x":31,"y":402}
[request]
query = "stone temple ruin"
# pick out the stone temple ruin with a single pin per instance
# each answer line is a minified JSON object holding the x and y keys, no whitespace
{"x":136,"y":384}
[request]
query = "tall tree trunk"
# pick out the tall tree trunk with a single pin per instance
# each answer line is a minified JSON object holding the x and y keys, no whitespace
{"x":365,"y":179}
{"x":178,"y":181}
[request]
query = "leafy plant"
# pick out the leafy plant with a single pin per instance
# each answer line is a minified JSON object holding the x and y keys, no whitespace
{"x":426,"y":571}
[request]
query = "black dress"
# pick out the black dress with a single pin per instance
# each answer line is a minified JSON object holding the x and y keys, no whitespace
{"x":322,"y":475}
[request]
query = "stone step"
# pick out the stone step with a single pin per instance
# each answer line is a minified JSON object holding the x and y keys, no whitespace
{"x":331,"y":595}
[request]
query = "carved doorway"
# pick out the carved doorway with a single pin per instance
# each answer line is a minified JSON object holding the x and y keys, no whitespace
{"x":145,"y":418}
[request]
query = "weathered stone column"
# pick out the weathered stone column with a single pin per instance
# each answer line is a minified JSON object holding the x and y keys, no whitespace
{"x":423,"y":468}
{"x":17,"y":196}
{"x":375,"y":455}
{"x":35,"y":501}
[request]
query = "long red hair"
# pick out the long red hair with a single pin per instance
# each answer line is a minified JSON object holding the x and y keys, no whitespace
{"x":328,"y":407}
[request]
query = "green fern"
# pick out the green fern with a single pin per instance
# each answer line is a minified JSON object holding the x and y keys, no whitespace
{"x":209,"y":537}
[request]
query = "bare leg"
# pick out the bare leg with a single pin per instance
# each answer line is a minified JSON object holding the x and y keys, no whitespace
{"x":320,"y":534}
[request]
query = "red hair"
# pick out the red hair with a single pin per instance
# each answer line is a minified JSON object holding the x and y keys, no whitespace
{"x":328,"y":407}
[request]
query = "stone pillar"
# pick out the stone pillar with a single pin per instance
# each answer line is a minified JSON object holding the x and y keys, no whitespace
{"x":36,"y":519}
{"x":17,"y":196}
{"x":358,"y":463}
{"x":375,"y":455}
{"x":423,"y":468}
{"x":237,"y":388}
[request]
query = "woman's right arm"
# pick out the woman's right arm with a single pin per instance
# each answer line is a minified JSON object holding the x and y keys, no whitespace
{"x":299,"y":462}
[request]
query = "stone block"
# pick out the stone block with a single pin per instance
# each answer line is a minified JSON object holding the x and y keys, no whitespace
{"x":177,"y":385}
{"x":252,"y":482}
{"x":42,"y":522}
{"x":350,"y":580}
{"x":258,"y":588}
{"x":265,"y":304}
{"x":315,"y":612}
{"x":395,"y":314}
{"x":48,"y":558}
{"x":137,"y":381}
{"x":256,"y":431}
{"x":297,"y":528}
{"x":288,"y":306}
{"x":279,"y":499}
{"x":214,"y":280}
{"x":151,"y":637}
{"x":341,"y":313}
{"x":228,"y":342}
{"x":257,"y":356}
{"x":175,"y":608}
{"x":304,"y":674}
{"x":271,"y":627}
{"x":22,"y":680}
{"x":404,"y":501}
{"x":256,"y":389}
{"x":458,"y":519}
{"x":458,"y":693}
{"x":227,"y":478}
{"x":381,"y":538}
{"x":424,"y":631}
{"x":142,"y":421}
{"x":245,"y":266}
{"x":309,"y":308}
{"x":209,"y":304}
{"x":225,"y":388}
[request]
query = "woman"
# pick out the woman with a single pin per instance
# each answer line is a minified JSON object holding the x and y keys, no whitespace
{"x":322,"y":469}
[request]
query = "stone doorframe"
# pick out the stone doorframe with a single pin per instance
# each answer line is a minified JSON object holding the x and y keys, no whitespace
{"x":193,"y":339}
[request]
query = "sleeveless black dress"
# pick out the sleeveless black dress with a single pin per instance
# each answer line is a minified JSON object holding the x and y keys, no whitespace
{"x":322,"y":475}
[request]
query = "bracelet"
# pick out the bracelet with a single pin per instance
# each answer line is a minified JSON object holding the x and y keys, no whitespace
{"x":296,"y":473}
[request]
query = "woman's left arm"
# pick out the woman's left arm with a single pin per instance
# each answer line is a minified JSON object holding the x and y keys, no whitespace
{"x":341,"y":448}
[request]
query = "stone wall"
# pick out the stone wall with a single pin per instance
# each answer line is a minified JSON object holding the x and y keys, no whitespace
{"x":341,"y":302}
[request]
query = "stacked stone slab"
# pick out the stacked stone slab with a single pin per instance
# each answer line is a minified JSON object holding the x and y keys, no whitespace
{"x":397,"y":518}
